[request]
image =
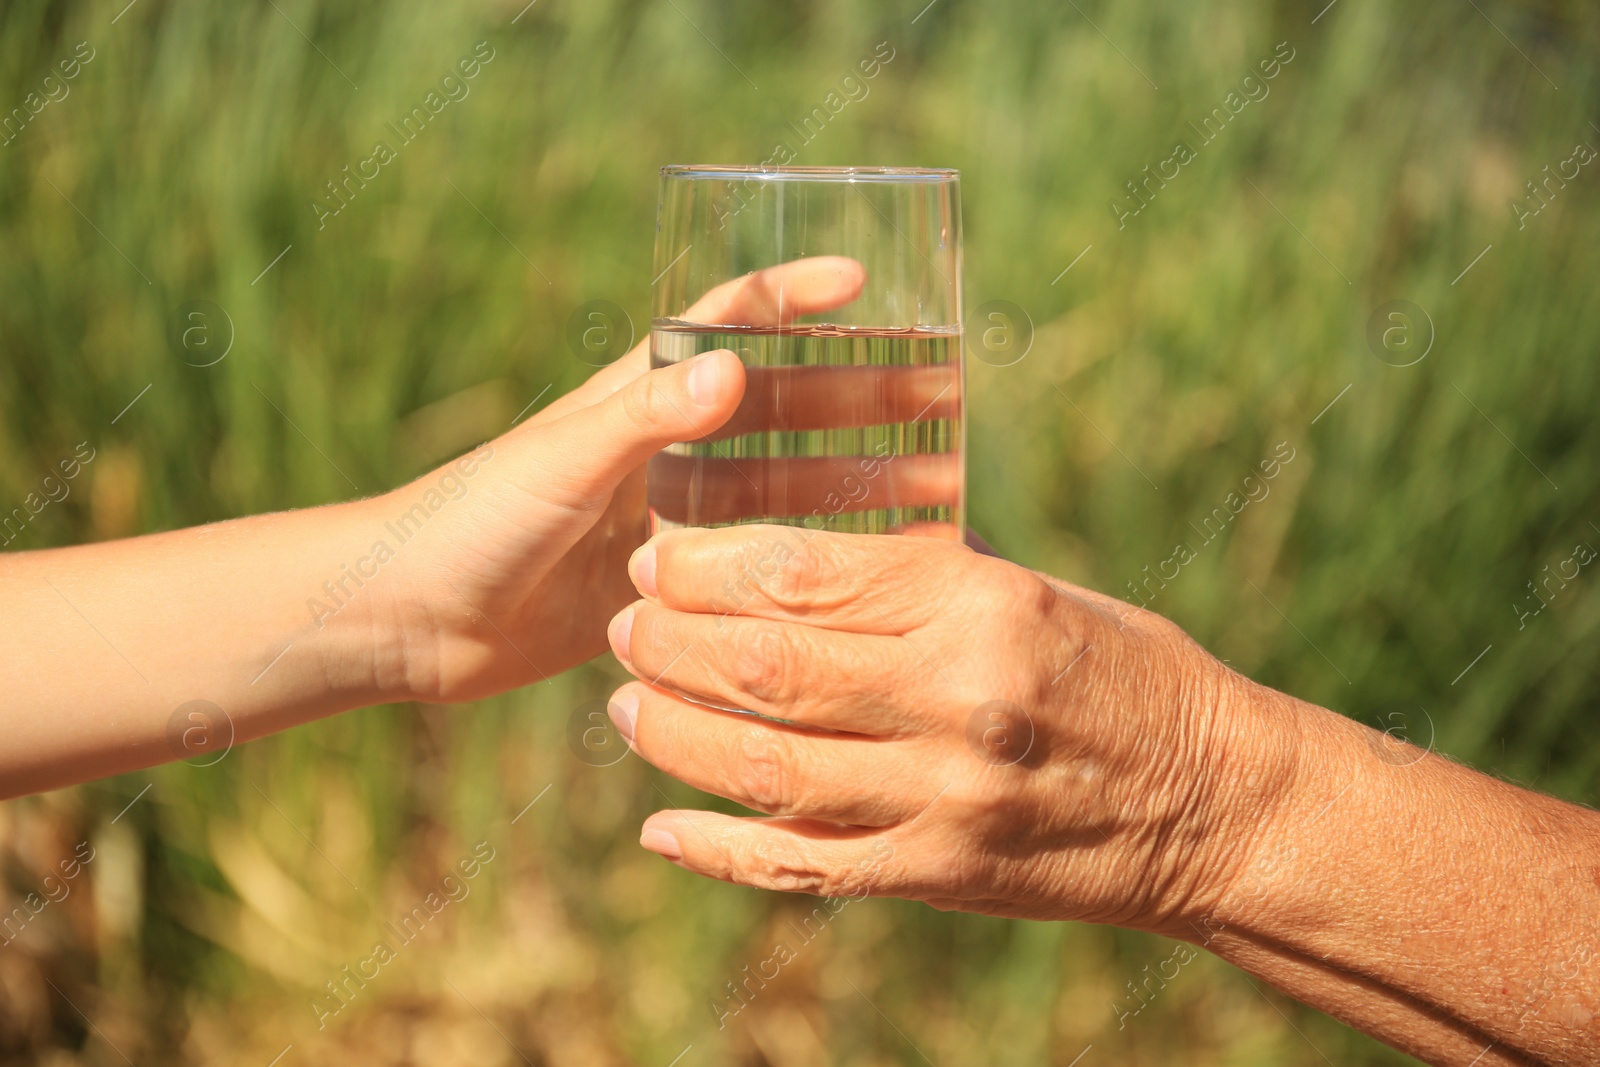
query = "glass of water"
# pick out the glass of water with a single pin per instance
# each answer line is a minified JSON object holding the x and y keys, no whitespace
{"x":853,"y":416}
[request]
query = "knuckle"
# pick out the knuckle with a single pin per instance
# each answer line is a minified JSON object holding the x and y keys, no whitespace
{"x":1023,"y":595}
{"x":772,"y":866}
{"x":763,"y":665}
{"x":654,"y":646}
{"x":642,"y":402}
{"x":990,"y":593}
{"x":1041,"y":599}
{"x":802,"y":578}
{"x":777,"y":864}
{"x":1010,"y":600}
{"x":764,"y":770}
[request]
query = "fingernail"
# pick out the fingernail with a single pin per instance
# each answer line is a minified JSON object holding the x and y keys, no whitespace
{"x":624,"y":711}
{"x":704,"y":379}
{"x":620,"y":634}
{"x":661,"y":843}
{"x":643,"y":569}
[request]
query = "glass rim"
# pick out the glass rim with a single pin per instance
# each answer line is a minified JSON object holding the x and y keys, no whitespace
{"x":714,"y":172}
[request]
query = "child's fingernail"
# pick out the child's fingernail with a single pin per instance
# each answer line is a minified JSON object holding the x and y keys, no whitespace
{"x":705,"y":378}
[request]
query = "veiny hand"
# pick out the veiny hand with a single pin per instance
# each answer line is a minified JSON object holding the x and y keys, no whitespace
{"x":957,"y":730}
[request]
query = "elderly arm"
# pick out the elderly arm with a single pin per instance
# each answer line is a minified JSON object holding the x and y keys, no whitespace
{"x":965,"y":732}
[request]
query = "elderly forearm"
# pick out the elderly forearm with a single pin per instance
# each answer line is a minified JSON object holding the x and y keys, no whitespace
{"x":1069,"y":759}
{"x":1441,"y":910}
{"x":1371,"y":1006}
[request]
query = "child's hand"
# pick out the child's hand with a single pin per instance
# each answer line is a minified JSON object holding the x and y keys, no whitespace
{"x":515,"y":580}
{"x":494,"y":571}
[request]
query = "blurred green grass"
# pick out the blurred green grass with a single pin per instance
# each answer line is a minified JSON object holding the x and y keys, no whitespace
{"x":1171,"y":359}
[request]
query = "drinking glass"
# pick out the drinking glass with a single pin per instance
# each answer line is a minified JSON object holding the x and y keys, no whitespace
{"x":852,"y":418}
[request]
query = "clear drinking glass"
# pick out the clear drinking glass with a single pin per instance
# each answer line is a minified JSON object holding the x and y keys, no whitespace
{"x":853,"y":415}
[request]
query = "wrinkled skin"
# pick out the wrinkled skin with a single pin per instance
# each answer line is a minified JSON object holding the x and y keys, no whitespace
{"x":959,"y":730}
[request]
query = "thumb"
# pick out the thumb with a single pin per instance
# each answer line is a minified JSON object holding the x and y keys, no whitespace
{"x":590,"y":451}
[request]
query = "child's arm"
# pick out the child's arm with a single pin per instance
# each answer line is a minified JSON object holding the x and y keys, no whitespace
{"x":494,"y":571}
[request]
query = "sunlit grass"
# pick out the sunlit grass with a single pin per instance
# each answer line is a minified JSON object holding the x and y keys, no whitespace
{"x":1178,"y":351}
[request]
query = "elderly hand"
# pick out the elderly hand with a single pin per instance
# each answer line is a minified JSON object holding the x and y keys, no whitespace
{"x":955,"y":729}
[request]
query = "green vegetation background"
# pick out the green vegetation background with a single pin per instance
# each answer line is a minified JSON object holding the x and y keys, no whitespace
{"x":1176,"y":354}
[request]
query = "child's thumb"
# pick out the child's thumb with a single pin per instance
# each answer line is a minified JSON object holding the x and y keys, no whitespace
{"x":590,"y":451}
